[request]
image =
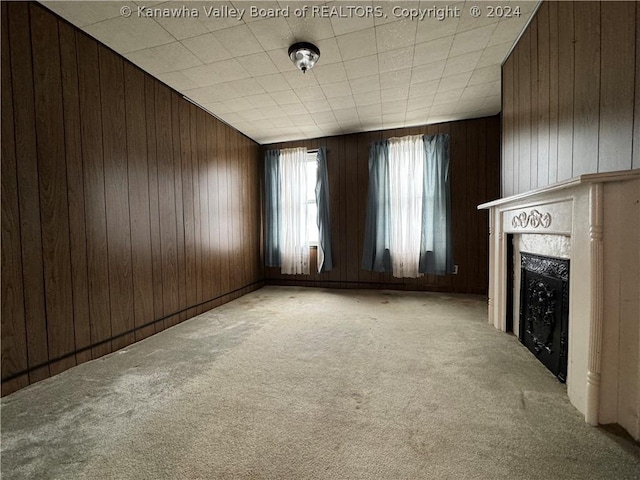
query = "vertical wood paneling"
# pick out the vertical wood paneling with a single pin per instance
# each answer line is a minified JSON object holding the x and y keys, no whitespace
{"x":475,"y":178}
{"x":28,"y":188}
{"x":553,"y":93}
{"x":586,"y":107}
{"x":103,"y":230}
{"x":75,"y":190}
{"x":617,"y":86}
{"x":14,"y":347}
{"x":507,"y":127}
{"x":541,"y":64}
{"x":95,"y":207}
{"x":524,"y":112}
{"x":154,"y":202}
{"x":585,"y":71}
{"x":636,"y":121}
{"x":116,"y":183}
{"x":141,"y":251}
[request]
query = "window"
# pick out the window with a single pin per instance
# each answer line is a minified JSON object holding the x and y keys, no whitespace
{"x":311,"y":204}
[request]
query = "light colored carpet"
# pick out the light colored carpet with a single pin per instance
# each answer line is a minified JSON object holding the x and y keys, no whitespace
{"x":294,"y":383}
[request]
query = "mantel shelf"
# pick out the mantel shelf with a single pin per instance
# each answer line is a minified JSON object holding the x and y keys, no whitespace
{"x":566,"y":184}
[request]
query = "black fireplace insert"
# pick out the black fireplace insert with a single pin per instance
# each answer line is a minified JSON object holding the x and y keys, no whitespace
{"x":544,"y":310}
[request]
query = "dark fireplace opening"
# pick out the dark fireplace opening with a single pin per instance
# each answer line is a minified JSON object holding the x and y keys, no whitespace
{"x":544,"y":310}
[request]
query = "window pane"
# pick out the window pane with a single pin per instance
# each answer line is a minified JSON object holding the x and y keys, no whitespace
{"x":312,"y":225}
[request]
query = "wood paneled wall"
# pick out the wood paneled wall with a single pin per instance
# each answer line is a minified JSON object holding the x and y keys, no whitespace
{"x":571,"y":95}
{"x":475,"y":169}
{"x":125,"y":209}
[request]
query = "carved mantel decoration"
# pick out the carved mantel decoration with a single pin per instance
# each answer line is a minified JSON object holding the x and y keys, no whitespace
{"x":535,"y":219}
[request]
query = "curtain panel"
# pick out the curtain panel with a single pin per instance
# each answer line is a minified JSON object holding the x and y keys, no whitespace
{"x":286,"y":243}
{"x":408,"y":222}
{"x":325,"y":257}
{"x":272,"y":208}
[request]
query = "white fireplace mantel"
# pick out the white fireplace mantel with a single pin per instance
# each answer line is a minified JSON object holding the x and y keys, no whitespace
{"x":600,"y":215}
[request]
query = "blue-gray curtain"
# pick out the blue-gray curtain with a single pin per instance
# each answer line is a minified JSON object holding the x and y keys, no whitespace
{"x":325,"y":258}
{"x":436,"y":255}
{"x":271,"y":208}
{"x":375,"y":255}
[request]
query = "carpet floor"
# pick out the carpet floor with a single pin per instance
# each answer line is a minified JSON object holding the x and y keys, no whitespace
{"x":294,"y":383}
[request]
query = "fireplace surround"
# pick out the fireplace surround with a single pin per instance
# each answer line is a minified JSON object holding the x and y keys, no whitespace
{"x":593,"y":220}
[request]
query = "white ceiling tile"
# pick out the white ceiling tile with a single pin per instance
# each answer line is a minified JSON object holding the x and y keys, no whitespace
{"x":272,"y":33}
{"x":391,"y":94}
{"x":221,"y":14}
{"x":357,"y":44}
{"x":346,"y":115}
{"x":218,"y":107}
{"x":253,"y":114}
{"x":343,"y":21}
{"x":262,"y":101}
{"x":282,"y":122}
{"x":483,"y":90}
{"x":506,"y":30}
{"x":214,"y":73}
{"x":395,"y":59}
{"x":494,"y":55}
{"x":275,"y":112}
{"x":371,"y":123}
{"x":389,"y":108}
{"x":430,"y":29}
{"x":469,"y":22}
{"x":256,"y":10}
{"x":341,"y":103}
{"x":273,"y":83}
{"x":324,"y":117}
{"x":461,"y":64}
{"x":182,"y":27}
{"x":366,"y":111}
{"x":258,"y":64}
{"x":362,"y":67}
{"x":81,"y":17}
{"x":297,"y":79}
{"x":447,"y":97}
{"x":310,"y":93}
{"x":420,"y":103}
{"x":395,"y":78}
{"x":294,"y":108}
{"x":232,"y":117}
{"x":309,"y":26}
{"x":454,"y":82}
{"x":129,"y":34}
{"x":443,"y":108}
{"x":177,"y":80}
{"x":329,"y":73}
{"x":393,"y":120}
{"x":424,"y":88}
{"x":238,"y":104}
{"x":217,"y":93}
{"x":485,"y":75}
{"x":207,"y":48}
{"x":365,"y":84}
{"x":365,"y":99}
{"x":432,"y":51}
{"x":248,"y":86}
{"x":417,"y":117}
{"x":329,"y":51}
{"x":164,"y":58}
{"x":238,"y":40}
{"x":395,"y":35}
{"x":472,"y":40}
{"x":302,"y":120}
{"x":424,"y":73}
{"x":340,"y":89}
{"x":285,"y":97}
{"x":316,"y":106}
{"x":282,"y":61}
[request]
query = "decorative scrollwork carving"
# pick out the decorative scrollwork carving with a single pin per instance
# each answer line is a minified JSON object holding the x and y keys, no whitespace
{"x":535,"y":219}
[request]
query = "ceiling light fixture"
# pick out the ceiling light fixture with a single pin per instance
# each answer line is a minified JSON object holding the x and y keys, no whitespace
{"x":304,"y":55}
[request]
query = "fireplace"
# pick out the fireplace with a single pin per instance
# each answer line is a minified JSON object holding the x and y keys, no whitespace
{"x":544,"y":310}
{"x":592,"y":222}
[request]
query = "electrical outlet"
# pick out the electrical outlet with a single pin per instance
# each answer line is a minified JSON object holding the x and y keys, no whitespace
{"x":455,"y":269}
